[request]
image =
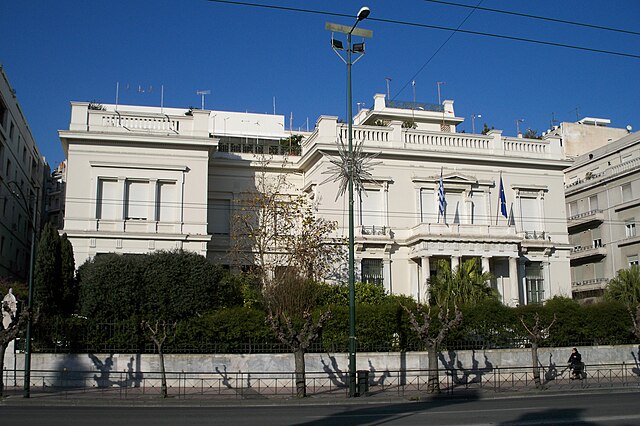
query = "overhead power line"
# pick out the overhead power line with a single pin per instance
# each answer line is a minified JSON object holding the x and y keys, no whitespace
{"x":543,"y":18}
{"x":435,"y":27}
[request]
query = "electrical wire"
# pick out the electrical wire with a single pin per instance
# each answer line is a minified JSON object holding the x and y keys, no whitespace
{"x":543,"y":18}
{"x":436,"y":27}
{"x":437,"y":50}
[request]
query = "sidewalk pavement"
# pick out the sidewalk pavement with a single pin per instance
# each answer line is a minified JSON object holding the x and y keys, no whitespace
{"x":150,"y":398}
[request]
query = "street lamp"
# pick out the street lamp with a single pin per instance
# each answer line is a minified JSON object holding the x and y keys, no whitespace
{"x":473,"y":122}
{"x":27,"y":347}
{"x":518,"y":121}
{"x":356,"y":48}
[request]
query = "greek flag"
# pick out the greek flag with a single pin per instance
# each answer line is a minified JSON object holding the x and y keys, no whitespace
{"x":503,"y":199}
{"x":441,"y":200}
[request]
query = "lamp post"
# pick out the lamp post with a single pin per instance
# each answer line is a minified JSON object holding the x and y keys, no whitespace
{"x":27,"y":347}
{"x":473,"y":122}
{"x":357,"y":48}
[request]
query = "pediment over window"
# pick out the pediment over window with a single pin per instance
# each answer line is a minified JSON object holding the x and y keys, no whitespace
{"x":455,"y":178}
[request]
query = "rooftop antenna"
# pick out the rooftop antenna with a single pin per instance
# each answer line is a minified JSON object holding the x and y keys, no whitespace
{"x":162,"y":99}
{"x":553,"y":120}
{"x":439,"y":83}
{"x":388,"y":79}
{"x":117,"y":92}
{"x":202,"y":93}
{"x":413,"y":106}
{"x":274,"y":105}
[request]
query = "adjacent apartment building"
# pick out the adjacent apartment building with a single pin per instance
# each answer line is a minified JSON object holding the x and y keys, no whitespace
{"x":603,"y":206}
{"x":22,"y":174}
{"x":143,"y":178}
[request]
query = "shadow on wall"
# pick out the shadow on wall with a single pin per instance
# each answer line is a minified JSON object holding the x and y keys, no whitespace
{"x":75,"y":374}
{"x":460,"y":375}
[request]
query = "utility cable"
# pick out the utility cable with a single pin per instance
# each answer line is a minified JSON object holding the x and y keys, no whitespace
{"x":436,"y":27}
{"x":544,"y":18}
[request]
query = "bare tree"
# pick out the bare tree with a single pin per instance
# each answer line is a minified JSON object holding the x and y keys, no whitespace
{"x":11,"y":324}
{"x":159,"y":332}
{"x":537,"y":334}
{"x":433,"y":333}
{"x":291,"y":300}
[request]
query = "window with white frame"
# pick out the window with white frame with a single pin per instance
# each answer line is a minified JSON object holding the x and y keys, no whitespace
{"x":535,"y":282}
{"x":593,"y":202}
{"x":167,"y":202}
{"x":428,"y":206}
{"x":530,"y":213}
{"x":372,"y":209}
{"x":633,"y":261}
{"x":219,"y":217}
{"x":455,"y":209}
{"x":573,"y":208}
{"x":107,"y":199}
{"x":478,"y":209}
{"x":630,"y":228}
{"x":136,"y":200}
{"x":372,"y":271}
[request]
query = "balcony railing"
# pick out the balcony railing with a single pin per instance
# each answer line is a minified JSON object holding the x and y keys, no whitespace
{"x":373,"y":230}
{"x":592,"y":284}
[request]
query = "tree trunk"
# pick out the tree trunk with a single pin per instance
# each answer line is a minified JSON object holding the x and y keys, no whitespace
{"x":301,"y":384}
{"x":3,"y":348}
{"x":536,"y":364}
{"x":433,"y":385}
{"x":163,"y":385}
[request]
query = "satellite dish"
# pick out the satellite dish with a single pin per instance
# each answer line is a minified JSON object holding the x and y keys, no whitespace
{"x":629,"y":128}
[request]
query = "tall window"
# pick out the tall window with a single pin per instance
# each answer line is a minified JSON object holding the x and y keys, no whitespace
{"x":573,"y":208}
{"x":596,"y":238}
{"x":166,"y":202}
{"x":455,"y":209}
{"x":372,"y":271}
{"x":478,"y":214}
{"x":371,"y":208}
{"x":428,"y":209}
{"x":593,"y":202}
{"x":626,"y":192}
{"x":219,"y":217}
{"x":535,"y":282}
{"x":530,"y":213}
{"x":630,"y":228}
{"x":137,"y":200}
{"x":108,"y":199}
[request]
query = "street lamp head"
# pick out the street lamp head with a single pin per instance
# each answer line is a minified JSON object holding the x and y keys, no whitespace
{"x":363,"y":13}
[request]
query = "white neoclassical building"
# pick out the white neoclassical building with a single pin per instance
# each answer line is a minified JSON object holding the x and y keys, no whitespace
{"x":143,"y":178}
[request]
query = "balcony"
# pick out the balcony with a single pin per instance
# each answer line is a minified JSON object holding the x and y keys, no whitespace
{"x":588,"y":285}
{"x":586,"y":220}
{"x":581,"y":255}
{"x":462,"y":232}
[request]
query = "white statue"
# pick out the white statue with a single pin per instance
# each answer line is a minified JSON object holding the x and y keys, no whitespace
{"x":9,"y":302}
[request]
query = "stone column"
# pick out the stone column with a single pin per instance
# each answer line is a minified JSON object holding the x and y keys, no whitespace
{"x":386,"y":274}
{"x":424,"y":280}
{"x":455,"y":262}
{"x":546,"y":275}
{"x":511,"y":294}
{"x":486,"y":267}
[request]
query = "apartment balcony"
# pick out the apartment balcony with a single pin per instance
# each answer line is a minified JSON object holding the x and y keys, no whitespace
{"x":588,"y":285}
{"x":580,"y":255}
{"x":590,"y":219}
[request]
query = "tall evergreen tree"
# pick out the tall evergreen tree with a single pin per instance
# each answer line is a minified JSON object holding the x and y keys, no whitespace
{"x":67,"y":276}
{"x":47,"y":279}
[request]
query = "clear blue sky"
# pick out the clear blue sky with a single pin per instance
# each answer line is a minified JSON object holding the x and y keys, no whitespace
{"x":57,"y":52}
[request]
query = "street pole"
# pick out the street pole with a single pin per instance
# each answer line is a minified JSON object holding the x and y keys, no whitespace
{"x":362,"y":14}
{"x":27,"y":346}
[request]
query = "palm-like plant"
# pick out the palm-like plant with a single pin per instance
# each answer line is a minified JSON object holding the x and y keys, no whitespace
{"x":467,"y":284}
{"x":625,"y":287}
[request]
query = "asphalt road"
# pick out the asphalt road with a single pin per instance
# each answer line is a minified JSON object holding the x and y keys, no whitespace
{"x":575,"y":409}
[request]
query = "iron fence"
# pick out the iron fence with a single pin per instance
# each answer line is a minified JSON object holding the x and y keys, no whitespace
{"x":260,"y":385}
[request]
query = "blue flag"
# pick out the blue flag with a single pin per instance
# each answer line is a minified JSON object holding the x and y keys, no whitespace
{"x":503,"y":199}
{"x":441,"y":200}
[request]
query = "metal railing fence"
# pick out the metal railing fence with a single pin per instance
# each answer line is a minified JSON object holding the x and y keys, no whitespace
{"x":256,"y":385}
